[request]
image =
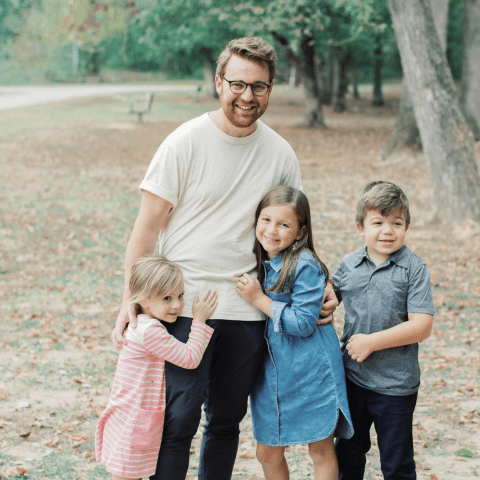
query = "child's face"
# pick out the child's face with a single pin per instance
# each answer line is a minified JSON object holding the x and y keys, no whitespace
{"x":277,"y":228}
{"x":383,"y":235}
{"x":167,"y":307}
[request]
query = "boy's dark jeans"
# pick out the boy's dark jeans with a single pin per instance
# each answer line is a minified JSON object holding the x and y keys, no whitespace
{"x":392,"y":417}
{"x":223,"y":380}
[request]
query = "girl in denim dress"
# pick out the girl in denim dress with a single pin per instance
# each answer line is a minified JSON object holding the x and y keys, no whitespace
{"x":300,"y":394}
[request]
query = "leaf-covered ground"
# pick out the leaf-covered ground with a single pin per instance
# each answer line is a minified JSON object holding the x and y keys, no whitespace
{"x":68,"y":201}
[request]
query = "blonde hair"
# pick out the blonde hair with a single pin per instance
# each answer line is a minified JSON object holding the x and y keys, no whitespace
{"x":251,"y":48}
{"x":285,"y":195}
{"x":383,"y":197}
{"x":152,"y":276}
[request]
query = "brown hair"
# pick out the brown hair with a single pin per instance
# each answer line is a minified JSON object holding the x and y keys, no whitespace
{"x":152,"y":276}
{"x":384,"y":197}
{"x":251,"y":48}
{"x":284,"y":195}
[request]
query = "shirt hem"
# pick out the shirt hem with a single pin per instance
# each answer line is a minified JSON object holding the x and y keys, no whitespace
{"x":389,"y":392}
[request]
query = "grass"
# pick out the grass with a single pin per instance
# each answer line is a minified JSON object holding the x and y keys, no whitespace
{"x":167,"y":106}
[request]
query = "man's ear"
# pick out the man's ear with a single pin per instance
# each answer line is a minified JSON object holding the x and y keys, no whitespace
{"x":218,"y":83}
{"x":360,"y":229}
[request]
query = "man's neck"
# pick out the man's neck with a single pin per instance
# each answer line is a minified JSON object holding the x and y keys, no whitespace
{"x":222,"y":122}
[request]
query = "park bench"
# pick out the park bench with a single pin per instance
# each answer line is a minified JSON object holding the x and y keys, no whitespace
{"x":142,"y":108}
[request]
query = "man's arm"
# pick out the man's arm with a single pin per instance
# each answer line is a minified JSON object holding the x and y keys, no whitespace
{"x":330,"y":303}
{"x":418,"y":328}
{"x":151,"y":220}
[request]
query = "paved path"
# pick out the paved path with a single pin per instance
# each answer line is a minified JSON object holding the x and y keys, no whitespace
{"x":17,"y":97}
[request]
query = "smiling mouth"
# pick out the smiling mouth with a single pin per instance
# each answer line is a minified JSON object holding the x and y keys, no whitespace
{"x":245,"y":108}
{"x":269,"y":240}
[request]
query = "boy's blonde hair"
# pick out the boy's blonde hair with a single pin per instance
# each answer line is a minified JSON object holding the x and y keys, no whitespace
{"x":152,"y":276}
{"x":251,"y":48}
{"x":384,"y":197}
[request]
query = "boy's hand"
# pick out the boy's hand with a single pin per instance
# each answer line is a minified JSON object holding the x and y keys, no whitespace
{"x":360,"y":347}
{"x":205,"y":306}
{"x":249,"y":288}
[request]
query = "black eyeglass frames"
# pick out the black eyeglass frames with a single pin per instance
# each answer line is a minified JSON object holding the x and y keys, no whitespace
{"x":259,"y":88}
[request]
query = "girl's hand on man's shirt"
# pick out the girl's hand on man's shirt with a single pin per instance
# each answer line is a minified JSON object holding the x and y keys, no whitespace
{"x":249,"y":288}
{"x":204,"y":307}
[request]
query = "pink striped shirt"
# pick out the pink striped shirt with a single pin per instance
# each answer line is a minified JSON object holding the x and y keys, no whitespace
{"x":129,"y":431}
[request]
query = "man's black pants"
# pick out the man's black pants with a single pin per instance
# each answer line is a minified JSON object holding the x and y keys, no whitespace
{"x":222,"y":382}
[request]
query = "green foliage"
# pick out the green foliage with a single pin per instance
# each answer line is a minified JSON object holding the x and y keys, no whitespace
{"x":11,"y":20}
{"x":455,"y":37}
{"x":180,"y":35}
{"x":463,"y":452}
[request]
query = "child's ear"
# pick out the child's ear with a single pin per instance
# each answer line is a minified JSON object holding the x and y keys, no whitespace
{"x":301,"y":233}
{"x":360,"y":229}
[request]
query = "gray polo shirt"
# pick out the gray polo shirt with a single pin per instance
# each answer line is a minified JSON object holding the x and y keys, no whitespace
{"x":378,"y":298}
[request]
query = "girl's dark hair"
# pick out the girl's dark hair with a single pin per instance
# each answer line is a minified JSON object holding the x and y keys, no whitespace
{"x":283,"y":195}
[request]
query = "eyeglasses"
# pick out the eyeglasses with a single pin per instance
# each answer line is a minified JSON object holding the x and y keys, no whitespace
{"x":259,"y":89}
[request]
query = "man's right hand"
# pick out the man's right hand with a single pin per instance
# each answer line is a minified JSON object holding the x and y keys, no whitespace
{"x":125,"y":316}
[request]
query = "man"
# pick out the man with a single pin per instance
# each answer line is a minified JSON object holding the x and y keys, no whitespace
{"x":200,"y":194}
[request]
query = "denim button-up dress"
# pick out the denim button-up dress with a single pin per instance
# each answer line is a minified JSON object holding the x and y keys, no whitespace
{"x":300,"y":394}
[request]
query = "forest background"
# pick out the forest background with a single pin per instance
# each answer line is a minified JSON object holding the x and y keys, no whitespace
{"x":70,"y":172}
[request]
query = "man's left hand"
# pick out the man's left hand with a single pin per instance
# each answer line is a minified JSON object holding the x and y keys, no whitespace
{"x":330,"y":303}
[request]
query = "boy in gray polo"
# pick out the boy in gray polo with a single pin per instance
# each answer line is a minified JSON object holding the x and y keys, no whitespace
{"x":388,"y":303}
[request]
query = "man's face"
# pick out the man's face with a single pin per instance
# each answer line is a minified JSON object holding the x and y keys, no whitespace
{"x":242,"y":110}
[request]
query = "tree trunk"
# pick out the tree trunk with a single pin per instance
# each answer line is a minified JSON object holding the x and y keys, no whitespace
{"x":351,"y":64}
{"x":209,"y":78}
{"x":446,"y":138}
{"x":338,"y":101}
{"x":405,"y":133}
{"x":305,"y":64}
{"x":377,"y":99}
{"x":470,"y":89}
{"x":313,"y":98}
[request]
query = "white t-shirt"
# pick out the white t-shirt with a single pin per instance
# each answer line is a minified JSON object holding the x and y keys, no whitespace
{"x":215,"y":182}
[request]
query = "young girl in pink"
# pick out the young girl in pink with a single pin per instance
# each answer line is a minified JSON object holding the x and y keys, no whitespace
{"x":129,"y":431}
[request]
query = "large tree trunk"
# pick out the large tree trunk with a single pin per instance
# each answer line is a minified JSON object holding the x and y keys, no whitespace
{"x":470,"y":90}
{"x":405,"y":133}
{"x":306,"y":66}
{"x":446,"y":138}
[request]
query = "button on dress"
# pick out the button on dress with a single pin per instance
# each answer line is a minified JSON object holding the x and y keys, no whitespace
{"x":300,"y":394}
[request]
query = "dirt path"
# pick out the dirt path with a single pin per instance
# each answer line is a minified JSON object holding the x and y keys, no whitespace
{"x":67,"y":204}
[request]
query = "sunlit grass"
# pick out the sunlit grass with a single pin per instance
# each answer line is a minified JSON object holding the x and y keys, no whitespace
{"x":167,"y":106}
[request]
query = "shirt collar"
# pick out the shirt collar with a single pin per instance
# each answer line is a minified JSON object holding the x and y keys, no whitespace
{"x":275,"y":262}
{"x":399,"y":257}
